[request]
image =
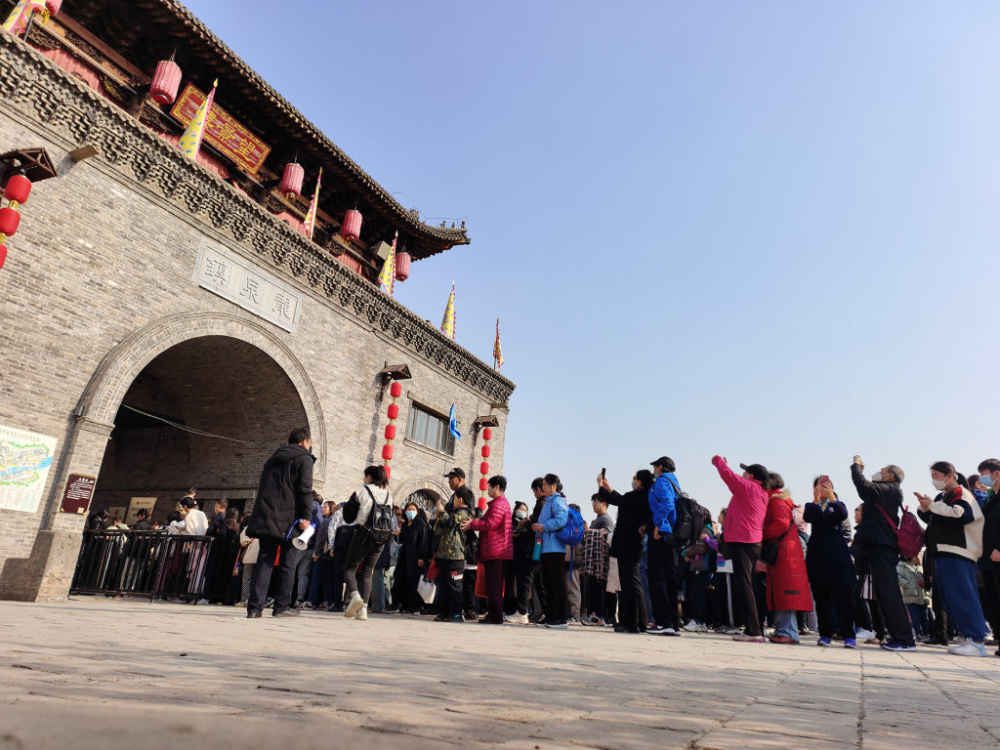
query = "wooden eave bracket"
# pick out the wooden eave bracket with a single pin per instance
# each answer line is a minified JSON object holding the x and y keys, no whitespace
{"x":33,"y":163}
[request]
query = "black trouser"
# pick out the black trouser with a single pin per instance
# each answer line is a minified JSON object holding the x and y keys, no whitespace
{"x":523,"y":576}
{"x":610,"y":608}
{"x":661,"y":571}
{"x":989,"y":594}
{"x":449,"y":587}
{"x":363,"y":549}
{"x":342,"y":545}
{"x":832,"y":598}
{"x":469,"y":598}
{"x":882,"y":562}
{"x":400,"y":594}
{"x":697,"y":595}
{"x":632,"y":600}
{"x":269,"y":549}
{"x":744,"y":557}
{"x":412,"y":600}
{"x":554,"y":574}
{"x":594,"y":600}
{"x":493,"y":573}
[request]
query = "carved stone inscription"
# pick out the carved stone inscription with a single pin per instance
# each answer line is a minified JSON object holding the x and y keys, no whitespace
{"x":242,"y":283}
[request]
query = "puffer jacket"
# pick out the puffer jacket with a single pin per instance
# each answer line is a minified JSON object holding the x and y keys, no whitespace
{"x":954,"y":525}
{"x":449,"y":539}
{"x":495,"y":540}
{"x":554,"y":515}
{"x":787,"y":581}
{"x":909,"y":583}
{"x":285,"y":494}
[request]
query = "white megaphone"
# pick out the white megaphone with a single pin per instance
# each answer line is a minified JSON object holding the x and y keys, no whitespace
{"x":302,"y":540}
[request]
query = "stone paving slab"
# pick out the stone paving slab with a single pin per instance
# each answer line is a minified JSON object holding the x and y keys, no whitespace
{"x":110,"y":673}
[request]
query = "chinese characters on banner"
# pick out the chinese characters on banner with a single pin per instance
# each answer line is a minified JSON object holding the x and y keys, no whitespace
{"x":222,"y":131}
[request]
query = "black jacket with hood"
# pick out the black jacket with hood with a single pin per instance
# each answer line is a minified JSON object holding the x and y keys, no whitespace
{"x":285,"y":493}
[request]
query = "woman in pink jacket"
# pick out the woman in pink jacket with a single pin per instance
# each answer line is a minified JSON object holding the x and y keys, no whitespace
{"x":496,"y":544}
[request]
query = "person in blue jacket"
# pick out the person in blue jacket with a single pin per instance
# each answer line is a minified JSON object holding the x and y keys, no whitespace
{"x":554,"y":515}
{"x":661,"y":559}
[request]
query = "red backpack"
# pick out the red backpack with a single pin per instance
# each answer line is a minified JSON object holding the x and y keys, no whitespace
{"x":909,"y":534}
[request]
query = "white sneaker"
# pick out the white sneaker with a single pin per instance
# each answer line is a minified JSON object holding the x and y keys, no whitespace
{"x":516,"y":619}
{"x":696,"y":627}
{"x":354,"y":605}
{"x":968,"y":647}
{"x":864,"y":635}
{"x":362,"y":613}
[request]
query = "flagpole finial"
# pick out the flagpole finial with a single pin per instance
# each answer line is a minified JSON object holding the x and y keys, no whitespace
{"x":215,"y":83}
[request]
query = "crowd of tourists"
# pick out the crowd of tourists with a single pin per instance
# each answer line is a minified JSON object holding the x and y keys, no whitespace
{"x":769,"y":568}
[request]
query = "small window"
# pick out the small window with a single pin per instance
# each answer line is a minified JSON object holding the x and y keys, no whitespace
{"x":431,"y":430}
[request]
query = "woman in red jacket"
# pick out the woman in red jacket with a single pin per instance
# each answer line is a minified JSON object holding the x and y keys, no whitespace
{"x":496,"y":544}
{"x":787,"y":580}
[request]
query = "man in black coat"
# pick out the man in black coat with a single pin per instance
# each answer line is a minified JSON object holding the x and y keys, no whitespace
{"x":626,"y":546}
{"x":882,"y":500}
{"x":284,"y":499}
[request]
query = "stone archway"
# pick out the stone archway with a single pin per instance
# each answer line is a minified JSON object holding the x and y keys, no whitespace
{"x":424,"y":489}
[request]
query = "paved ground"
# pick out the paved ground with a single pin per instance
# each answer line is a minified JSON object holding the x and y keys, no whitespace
{"x":102,"y":673}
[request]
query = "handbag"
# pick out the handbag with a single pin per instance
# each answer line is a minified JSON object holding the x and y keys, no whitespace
{"x":426,"y":589}
{"x":769,"y":550}
{"x":481,"y":582}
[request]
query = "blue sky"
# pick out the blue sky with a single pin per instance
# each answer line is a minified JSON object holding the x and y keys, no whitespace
{"x":762,"y":230}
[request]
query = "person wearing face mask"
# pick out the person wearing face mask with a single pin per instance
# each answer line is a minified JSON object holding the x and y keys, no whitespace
{"x":955,"y":534}
{"x":414,"y":557}
{"x":989,"y":563}
{"x":882,"y":500}
{"x":521,"y":570}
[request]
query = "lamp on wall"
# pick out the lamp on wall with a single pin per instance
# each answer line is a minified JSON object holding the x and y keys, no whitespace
{"x":390,"y":373}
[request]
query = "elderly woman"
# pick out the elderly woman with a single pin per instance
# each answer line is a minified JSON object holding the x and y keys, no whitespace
{"x":495,"y":545}
{"x":829,"y":564}
{"x":787,"y":582}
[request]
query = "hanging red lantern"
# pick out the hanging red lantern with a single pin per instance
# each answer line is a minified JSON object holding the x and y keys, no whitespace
{"x":388,"y":472}
{"x":387,"y":452}
{"x":393,"y":412}
{"x":3,"y":255}
{"x":396,"y":390}
{"x":351,"y":228}
{"x":18,"y":189}
{"x":291,"y":180}
{"x":402,"y":266}
{"x":484,"y":468}
{"x":390,"y":432}
{"x":486,"y":451}
{"x":53,"y":6}
{"x":166,"y":81}
{"x":487,"y":433}
{"x":9,"y":220}
{"x":483,"y":484}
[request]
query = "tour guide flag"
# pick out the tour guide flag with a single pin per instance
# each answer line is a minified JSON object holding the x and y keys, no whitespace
{"x":497,"y":351}
{"x":448,"y":324}
{"x":190,"y":142}
{"x":453,"y":424}
{"x":310,"y":222}
{"x":388,"y":275}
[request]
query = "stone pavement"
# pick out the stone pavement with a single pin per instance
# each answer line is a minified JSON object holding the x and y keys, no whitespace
{"x":105,"y":673}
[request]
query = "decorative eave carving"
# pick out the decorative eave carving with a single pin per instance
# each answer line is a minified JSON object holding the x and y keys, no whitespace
{"x":32,"y":84}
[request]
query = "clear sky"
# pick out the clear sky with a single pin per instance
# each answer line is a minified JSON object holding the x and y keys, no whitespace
{"x":766,"y":230}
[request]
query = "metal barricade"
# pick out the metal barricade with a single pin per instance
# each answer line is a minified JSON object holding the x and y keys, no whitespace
{"x":142,"y":563}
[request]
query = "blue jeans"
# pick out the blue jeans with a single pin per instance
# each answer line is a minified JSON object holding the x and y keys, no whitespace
{"x":955,"y":579}
{"x":787,"y":624}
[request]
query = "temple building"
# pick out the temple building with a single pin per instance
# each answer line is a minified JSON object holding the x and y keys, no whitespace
{"x":167,"y":321}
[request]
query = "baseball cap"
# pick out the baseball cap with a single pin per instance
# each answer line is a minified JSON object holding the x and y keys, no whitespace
{"x":456,"y":472}
{"x":664,"y":462}
{"x":757,"y":471}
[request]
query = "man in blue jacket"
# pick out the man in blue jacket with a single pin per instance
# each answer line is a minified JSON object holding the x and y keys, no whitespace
{"x":661,"y":564}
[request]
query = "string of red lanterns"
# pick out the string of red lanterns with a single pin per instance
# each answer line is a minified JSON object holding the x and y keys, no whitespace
{"x":17,"y":191}
{"x":484,"y":467}
{"x":395,"y":390}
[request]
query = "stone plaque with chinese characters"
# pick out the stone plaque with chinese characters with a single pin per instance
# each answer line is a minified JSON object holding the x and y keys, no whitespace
{"x":241,"y":282}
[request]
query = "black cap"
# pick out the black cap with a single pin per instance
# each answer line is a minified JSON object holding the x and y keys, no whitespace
{"x":665,"y":462}
{"x":757,"y":471}
{"x":456,"y":472}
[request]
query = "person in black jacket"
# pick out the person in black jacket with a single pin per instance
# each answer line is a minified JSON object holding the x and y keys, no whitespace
{"x":284,"y":499}
{"x":626,"y":547}
{"x":414,"y":558}
{"x":881,"y":502}
{"x":989,"y":563}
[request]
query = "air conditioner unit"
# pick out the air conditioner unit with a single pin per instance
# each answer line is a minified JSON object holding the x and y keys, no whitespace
{"x":381,"y":249}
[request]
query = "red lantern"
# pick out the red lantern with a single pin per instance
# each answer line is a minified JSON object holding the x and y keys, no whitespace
{"x":396,"y":390}
{"x":291,"y":180}
{"x":166,"y":81}
{"x":387,"y":452}
{"x":483,"y":484}
{"x":486,"y":451}
{"x":393,"y":411}
{"x":388,"y":471}
{"x":402,"y":266}
{"x":9,"y":219}
{"x":390,"y":432}
{"x":351,"y":228}
{"x":3,"y":255}
{"x":53,"y":6}
{"x":484,"y":468}
{"x":487,"y":433}
{"x":18,"y":188}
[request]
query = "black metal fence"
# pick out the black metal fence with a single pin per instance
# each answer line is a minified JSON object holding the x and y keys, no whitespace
{"x":143,"y":563}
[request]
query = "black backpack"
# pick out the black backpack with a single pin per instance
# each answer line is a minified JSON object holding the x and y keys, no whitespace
{"x":691,"y":518}
{"x":379,"y":523}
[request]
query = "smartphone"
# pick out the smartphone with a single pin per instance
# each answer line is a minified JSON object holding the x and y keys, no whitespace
{"x":825,"y":480}
{"x":603,"y":472}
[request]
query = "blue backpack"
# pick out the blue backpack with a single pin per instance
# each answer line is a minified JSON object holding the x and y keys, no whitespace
{"x":572,"y":532}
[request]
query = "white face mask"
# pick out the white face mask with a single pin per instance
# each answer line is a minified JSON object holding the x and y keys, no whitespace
{"x":521,"y":515}
{"x":939,"y":484}
{"x":877,"y":476}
